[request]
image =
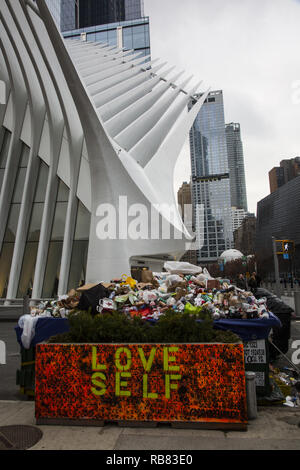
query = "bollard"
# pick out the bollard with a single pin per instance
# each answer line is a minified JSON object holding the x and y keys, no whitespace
{"x":26,"y":305}
{"x":297,"y":303}
{"x":251,"y":395}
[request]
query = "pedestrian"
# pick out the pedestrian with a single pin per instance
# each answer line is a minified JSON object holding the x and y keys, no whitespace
{"x":241,"y":282}
{"x":252,"y":283}
{"x":258,"y":279}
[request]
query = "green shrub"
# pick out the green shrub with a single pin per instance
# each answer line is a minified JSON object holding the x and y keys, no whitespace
{"x":118,"y":328}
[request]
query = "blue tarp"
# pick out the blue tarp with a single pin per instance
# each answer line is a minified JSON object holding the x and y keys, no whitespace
{"x":247,"y":330}
{"x":45,"y":328}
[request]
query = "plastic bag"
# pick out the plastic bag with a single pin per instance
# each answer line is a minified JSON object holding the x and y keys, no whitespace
{"x":29,"y":323}
{"x":179,"y":267}
{"x":127,"y":280}
{"x":173,"y":279}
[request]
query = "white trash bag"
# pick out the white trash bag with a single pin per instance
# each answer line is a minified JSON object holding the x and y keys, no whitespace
{"x":180,"y":267}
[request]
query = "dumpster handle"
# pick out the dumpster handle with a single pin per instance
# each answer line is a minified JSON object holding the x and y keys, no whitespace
{"x":290,"y":362}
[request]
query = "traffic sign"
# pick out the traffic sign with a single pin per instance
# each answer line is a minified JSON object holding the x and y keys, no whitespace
{"x":285,"y":247}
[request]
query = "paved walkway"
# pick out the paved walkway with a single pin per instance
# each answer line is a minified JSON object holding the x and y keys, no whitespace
{"x":276,"y":428}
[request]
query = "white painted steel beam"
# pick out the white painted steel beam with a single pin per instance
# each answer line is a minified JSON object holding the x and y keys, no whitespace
{"x":130,"y":84}
{"x":110,"y":73}
{"x":150,"y":143}
{"x":19,"y":101}
{"x":37,"y":115}
{"x":133,"y":133}
{"x":105,"y":84}
{"x":120,"y":126}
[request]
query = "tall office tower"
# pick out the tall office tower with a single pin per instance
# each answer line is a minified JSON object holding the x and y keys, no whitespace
{"x":210,"y":177}
{"x":236,"y":166}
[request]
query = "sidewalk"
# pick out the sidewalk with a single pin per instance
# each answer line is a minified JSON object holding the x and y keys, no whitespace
{"x":276,"y":428}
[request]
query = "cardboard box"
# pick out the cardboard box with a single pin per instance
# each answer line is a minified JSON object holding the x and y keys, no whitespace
{"x":213,"y":284}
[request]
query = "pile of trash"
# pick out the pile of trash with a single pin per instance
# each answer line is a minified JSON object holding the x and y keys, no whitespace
{"x":183,"y":288}
{"x":57,"y":308}
{"x":289,"y":384}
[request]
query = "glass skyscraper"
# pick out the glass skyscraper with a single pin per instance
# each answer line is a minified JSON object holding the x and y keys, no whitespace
{"x":210,"y":178}
{"x":236,"y":166}
{"x":95,"y":12}
{"x":77,"y":14}
{"x":133,"y":34}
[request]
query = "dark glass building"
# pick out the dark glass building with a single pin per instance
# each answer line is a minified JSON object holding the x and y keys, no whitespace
{"x":236,"y":166}
{"x":118,"y":23}
{"x":278,"y":215}
{"x":95,"y":12}
{"x":77,"y":14}
{"x":133,"y":34}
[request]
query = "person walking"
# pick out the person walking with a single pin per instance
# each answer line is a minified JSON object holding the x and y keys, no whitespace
{"x":241,"y":282}
{"x":252,"y":283}
{"x":258,"y":279}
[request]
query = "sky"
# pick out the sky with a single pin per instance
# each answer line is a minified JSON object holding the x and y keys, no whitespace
{"x":250,"y":49}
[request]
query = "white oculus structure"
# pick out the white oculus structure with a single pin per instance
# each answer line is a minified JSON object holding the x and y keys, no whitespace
{"x":103,"y":120}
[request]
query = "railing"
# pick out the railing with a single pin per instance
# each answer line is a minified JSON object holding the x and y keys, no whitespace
{"x":291,"y":292}
{"x":19,"y":302}
{"x":285,"y":288}
{"x":9,"y":308}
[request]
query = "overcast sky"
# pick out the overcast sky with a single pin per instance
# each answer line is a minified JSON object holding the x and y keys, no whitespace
{"x":250,"y":49}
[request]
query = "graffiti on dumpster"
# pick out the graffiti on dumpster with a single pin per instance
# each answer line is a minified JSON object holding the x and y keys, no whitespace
{"x":141,"y":382}
{"x":255,"y":352}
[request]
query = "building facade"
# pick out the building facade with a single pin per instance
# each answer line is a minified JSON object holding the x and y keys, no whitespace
{"x":278,"y":215}
{"x":236,"y":166}
{"x":77,"y":14}
{"x":75,"y":139}
{"x":93,"y":12}
{"x":244,"y":236}
{"x":288,"y":170}
{"x":276,"y":178}
{"x":118,"y":23}
{"x":211,"y":179}
{"x":237,"y":216}
{"x":130,"y":35}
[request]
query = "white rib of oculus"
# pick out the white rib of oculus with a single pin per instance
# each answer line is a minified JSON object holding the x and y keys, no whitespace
{"x":107,"y":123}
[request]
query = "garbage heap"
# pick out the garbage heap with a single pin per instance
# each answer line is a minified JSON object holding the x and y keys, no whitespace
{"x":183,"y":288}
{"x":288,"y":381}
